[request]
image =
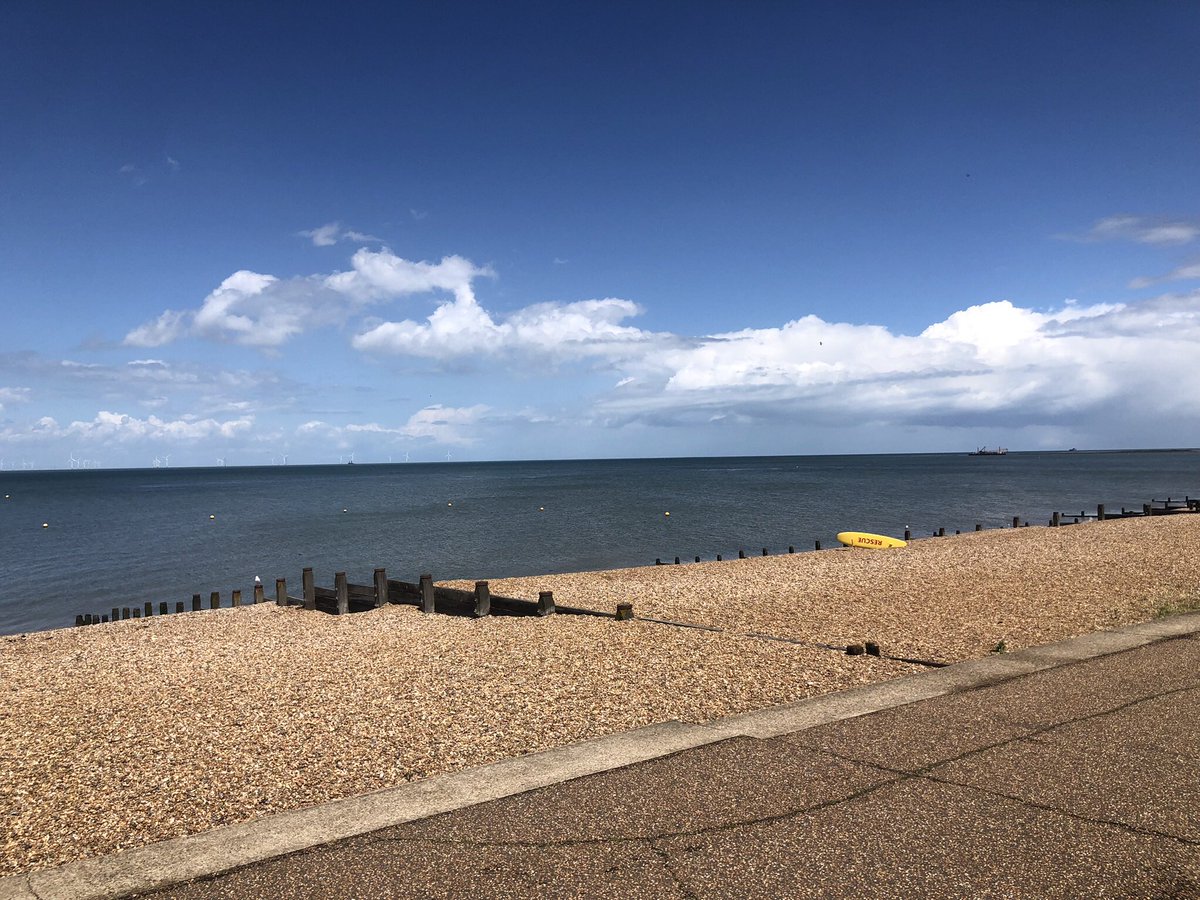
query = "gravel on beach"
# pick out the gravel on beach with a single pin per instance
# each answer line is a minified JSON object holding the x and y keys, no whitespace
{"x":119,"y":735}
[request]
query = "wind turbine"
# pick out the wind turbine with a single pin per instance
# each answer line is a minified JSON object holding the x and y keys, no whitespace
{"x":157,"y":463}
{"x":72,"y":462}
{"x":285,"y":456}
{"x":167,"y":460}
{"x":221,"y":461}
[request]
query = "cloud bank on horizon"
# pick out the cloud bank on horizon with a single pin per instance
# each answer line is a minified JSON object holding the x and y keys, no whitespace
{"x":1051,"y":373}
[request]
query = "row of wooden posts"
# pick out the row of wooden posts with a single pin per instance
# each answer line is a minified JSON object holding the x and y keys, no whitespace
{"x":345,"y":597}
{"x":1169,"y":506}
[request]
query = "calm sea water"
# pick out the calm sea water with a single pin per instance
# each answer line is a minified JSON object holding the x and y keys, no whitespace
{"x":122,"y":537}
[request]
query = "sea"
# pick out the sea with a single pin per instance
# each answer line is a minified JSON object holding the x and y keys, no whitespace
{"x":84,"y":541}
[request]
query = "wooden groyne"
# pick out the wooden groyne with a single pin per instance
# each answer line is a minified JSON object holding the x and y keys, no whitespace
{"x":346,"y":597}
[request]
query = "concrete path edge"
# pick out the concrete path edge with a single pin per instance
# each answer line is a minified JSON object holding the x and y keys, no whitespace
{"x":234,"y":846}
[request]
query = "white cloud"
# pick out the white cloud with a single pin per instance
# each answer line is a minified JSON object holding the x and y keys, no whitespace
{"x":113,"y":427}
{"x":259,"y":310}
{"x":380,"y":274}
{"x":325,"y":236}
{"x":1189,"y":272}
{"x":9,"y":396}
{"x":329,"y":234}
{"x":1143,"y":230}
{"x":439,"y":424}
{"x":571,"y":331}
{"x":166,"y":328}
{"x":987,"y":360}
{"x":120,"y":427}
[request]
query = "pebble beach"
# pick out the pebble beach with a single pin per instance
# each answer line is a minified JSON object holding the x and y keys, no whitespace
{"x":118,"y":735}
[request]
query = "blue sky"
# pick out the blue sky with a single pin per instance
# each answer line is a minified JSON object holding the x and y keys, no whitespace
{"x":625,"y":229}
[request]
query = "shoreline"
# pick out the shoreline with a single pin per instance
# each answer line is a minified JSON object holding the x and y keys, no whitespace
{"x":119,"y":735}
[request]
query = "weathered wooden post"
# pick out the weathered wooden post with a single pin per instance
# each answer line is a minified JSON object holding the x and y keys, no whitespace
{"x":791,"y":549}
{"x":718,"y":557}
{"x":1099,"y":512}
{"x":677,"y":560}
{"x":237,"y":597}
{"x":196,"y":603}
{"x":697,"y":559}
{"x":1016,"y":521}
{"x":214,"y":600}
{"x":178,"y":606}
{"x":137,"y":613}
{"x":427,"y":599}
{"x":78,"y":619}
{"x":908,"y":534}
{"x":545,"y":603}
{"x":1055,"y":520}
{"x":343,"y":593}
{"x":483,"y":600}
{"x":941,"y":532}
{"x":1147,"y":509}
{"x":162,"y":608}
{"x":116,"y":614}
{"x":381,"y":588}
{"x":979,"y":526}
{"x":816,"y":545}
{"x":281,"y":592}
{"x":624,"y":612}
{"x":741,"y":554}
{"x":310,"y":589}
{"x":764,"y":551}
{"x":124,"y":612}
{"x":258,"y":592}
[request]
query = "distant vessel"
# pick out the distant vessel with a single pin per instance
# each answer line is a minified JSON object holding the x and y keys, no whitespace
{"x":984,"y":451}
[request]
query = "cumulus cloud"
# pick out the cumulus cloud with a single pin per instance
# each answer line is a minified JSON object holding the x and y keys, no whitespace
{"x":1142,"y":229}
{"x":380,"y":274}
{"x":994,"y":359}
{"x":260,"y":310}
{"x":568,"y":331}
{"x":112,"y":427}
{"x":166,"y":328}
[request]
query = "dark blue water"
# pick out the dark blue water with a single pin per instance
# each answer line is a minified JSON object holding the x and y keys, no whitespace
{"x":122,"y":537}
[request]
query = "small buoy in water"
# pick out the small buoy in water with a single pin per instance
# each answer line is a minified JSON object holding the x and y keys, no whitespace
{"x":541,"y":509}
{"x":666,"y":514}
{"x":449,"y":504}
{"x":345,"y":510}
{"x":6,"y":496}
{"x":45,"y":524}
{"x":212,"y":517}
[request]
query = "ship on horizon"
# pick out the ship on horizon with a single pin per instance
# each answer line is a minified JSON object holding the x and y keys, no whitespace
{"x":984,"y":451}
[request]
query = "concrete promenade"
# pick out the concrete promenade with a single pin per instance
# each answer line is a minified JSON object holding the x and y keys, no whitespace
{"x":1071,"y":770}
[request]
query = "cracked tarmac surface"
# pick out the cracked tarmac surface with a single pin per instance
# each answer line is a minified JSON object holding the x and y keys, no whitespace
{"x":1075,"y":781}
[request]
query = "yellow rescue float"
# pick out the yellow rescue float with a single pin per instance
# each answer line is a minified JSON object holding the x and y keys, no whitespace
{"x":869,"y":541}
